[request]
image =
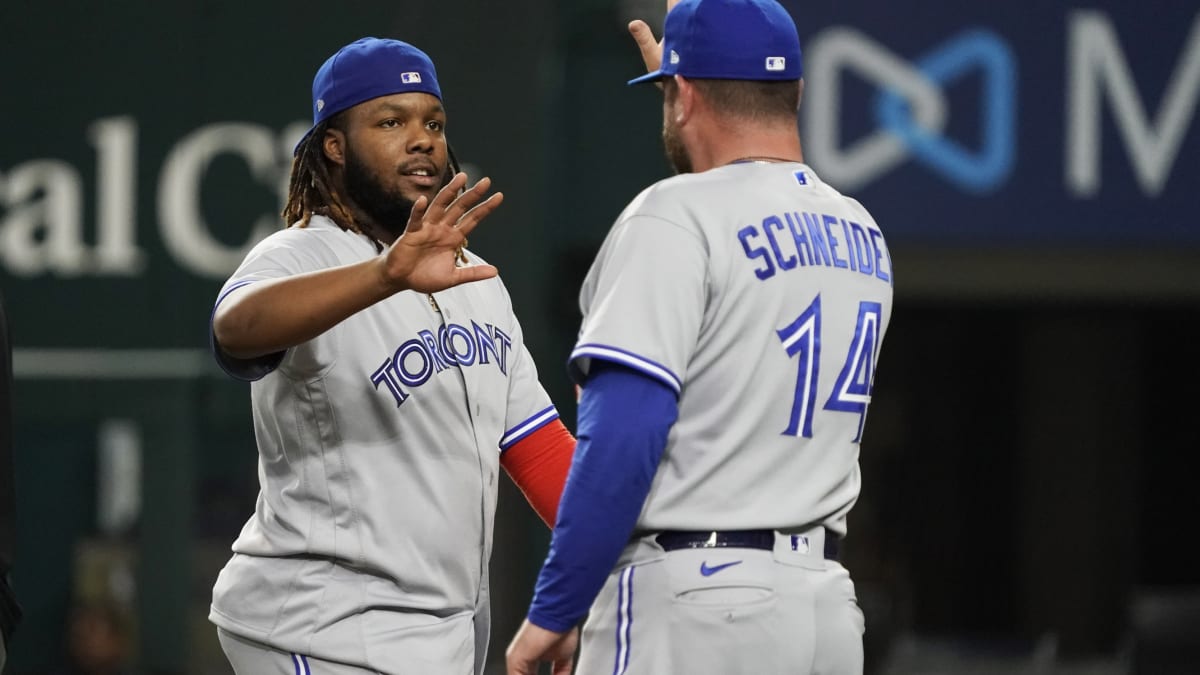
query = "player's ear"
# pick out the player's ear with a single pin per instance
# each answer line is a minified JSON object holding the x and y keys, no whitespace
{"x":685,"y":99}
{"x":334,"y":146}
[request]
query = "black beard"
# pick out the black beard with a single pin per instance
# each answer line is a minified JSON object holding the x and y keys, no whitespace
{"x":676,"y":154}
{"x":388,"y":209}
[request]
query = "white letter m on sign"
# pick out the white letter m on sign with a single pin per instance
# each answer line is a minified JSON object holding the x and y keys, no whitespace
{"x":1096,"y":63}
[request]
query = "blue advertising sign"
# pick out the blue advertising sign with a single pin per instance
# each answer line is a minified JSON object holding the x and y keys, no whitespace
{"x":1020,"y":124}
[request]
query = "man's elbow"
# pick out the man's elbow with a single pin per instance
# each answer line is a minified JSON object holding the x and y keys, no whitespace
{"x":232,"y":331}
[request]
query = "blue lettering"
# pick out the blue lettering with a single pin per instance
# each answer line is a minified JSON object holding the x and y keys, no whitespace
{"x":386,"y":375}
{"x":447,"y":353}
{"x":431,"y":345}
{"x":803,"y":250}
{"x":422,"y":357}
{"x":833,"y":242}
{"x":849,"y":246}
{"x":505,"y":343}
{"x":862,"y":248}
{"x":485,"y":342}
{"x":880,"y":252}
{"x":820,"y":251}
{"x":409,"y":377}
{"x":744,"y":236}
{"x":466,"y":358}
{"x":773,"y":222}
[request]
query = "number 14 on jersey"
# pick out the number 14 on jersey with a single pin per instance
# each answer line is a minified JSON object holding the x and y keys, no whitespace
{"x":852,"y":391}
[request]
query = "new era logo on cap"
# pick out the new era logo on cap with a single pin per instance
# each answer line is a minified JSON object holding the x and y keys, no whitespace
{"x":674,"y":56}
{"x":410,"y":78}
{"x":320,"y":104}
{"x":776,"y":63}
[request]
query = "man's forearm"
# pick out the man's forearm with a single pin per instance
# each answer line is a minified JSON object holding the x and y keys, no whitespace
{"x":272,"y":315}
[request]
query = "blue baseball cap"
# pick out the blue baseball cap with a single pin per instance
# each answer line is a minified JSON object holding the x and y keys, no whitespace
{"x":729,"y":40}
{"x":365,"y":69}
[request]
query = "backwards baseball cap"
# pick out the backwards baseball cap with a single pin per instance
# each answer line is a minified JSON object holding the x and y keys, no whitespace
{"x":367,"y":69}
{"x":729,"y":40}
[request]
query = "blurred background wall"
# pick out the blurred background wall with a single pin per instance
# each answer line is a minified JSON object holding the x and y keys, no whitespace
{"x":1029,"y":467}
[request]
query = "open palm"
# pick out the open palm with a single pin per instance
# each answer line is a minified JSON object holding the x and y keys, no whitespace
{"x":424,"y":257}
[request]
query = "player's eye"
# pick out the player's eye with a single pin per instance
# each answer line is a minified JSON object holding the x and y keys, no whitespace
{"x":390,"y":123}
{"x":434,"y":125}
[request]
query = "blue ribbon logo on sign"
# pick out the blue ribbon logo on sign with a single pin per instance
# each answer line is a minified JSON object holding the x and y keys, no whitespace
{"x":911,"y":110}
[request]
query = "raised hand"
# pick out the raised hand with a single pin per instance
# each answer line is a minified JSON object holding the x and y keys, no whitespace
{"x":650,"y":48}
{"x":424,"y":257}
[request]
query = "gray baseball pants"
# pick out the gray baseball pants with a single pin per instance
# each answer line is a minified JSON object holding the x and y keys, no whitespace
{"x":726,"y":611}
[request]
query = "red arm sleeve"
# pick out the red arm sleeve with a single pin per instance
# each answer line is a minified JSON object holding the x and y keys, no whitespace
{"x":538,"y":464}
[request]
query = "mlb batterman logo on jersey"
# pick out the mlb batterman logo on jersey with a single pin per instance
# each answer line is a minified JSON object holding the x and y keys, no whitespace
{"x":410,"y":78}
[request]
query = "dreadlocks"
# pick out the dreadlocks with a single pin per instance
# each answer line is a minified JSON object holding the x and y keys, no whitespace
{"x":311,"y":189}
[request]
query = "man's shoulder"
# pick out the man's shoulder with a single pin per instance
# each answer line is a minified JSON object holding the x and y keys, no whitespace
{"x":320,"y":233}
{"x":317,"y":245}
{"x":684,"y":186}
{"x":317,"y":228}
{"x":666,"y":199}
{"x":686,"y":190}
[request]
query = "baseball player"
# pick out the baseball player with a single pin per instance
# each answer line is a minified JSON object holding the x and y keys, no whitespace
{"x":732,"y":322}
{"x":390,"y":385}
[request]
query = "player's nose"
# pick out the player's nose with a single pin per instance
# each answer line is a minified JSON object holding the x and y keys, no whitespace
{"x":421,"y":141}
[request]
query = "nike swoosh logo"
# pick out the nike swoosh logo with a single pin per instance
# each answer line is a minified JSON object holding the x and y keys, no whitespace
{"x":707,"y":571}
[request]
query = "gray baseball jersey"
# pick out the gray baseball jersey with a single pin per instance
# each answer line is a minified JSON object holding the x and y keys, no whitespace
{"x":379,"y":444}
{"x":761,"y":295}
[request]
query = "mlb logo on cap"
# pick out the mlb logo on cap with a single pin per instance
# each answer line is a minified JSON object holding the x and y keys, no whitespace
{"x":410,"y":78}
{"x":776,"y":63}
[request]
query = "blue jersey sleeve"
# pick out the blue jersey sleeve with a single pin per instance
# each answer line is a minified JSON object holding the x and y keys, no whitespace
{"x":624,"y":418}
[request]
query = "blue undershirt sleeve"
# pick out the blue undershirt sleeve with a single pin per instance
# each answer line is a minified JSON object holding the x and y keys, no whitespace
{"x":624,"y":418}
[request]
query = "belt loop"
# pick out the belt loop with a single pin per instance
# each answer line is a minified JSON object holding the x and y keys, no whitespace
{"x":832,"y":545}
